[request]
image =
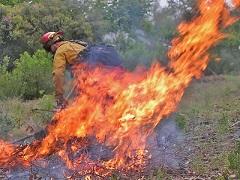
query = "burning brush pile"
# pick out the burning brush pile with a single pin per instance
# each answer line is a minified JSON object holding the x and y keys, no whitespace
{"x":116,"y":111}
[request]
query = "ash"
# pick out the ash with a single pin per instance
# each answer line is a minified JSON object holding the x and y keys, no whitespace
{"x":50,"y":168}
{"x":53,"y":167}
{"x":167,"y":146}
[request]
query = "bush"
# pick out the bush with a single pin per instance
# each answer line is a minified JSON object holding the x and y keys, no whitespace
{"x":31,"y":77}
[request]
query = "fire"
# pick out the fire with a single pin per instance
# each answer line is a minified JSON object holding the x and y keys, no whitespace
{"x":120,"y":109}
{"x":6,"y":151}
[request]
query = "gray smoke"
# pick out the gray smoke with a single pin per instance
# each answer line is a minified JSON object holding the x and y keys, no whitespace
{"x":168,"y":145}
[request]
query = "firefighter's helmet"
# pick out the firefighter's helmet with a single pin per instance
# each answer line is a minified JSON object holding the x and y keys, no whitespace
{"x":50,"y":38}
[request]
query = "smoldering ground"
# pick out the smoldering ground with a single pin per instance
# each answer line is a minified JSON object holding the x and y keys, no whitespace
{"x":167,"y":147}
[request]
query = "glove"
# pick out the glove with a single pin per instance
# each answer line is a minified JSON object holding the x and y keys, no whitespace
{"x":61,"y":103}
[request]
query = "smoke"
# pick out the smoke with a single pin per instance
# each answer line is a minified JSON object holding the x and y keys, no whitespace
{"x":168,"y":145}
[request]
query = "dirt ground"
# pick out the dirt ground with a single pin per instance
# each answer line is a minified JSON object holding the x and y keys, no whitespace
{"x":209,"y":115}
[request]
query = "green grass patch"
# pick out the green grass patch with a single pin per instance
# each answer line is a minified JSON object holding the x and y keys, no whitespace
{"x":181,"y":121}
{"x":234,"y":159}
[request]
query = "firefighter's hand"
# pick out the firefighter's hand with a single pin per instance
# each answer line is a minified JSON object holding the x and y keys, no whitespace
{"x":61,"y":103}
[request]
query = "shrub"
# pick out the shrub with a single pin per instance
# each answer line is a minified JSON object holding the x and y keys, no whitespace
{"x":31,"y":77}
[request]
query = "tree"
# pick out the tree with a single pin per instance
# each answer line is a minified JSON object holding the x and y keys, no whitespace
{"x":128,"y":15}
{"x":23,"y":24}
{"x":186,"y":9}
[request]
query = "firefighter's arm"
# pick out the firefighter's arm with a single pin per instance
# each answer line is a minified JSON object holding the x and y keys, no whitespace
{"x":59,"y":66}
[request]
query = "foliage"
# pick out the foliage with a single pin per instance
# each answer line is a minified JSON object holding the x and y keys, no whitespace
{"x":140,"y":30}
{"x":30,"y":78}
{"x":10,"y":2}
{"x":24,"y":23}
{"x":161,"y":174}
{"x":128,"y":15}
{"x":185,"y":9}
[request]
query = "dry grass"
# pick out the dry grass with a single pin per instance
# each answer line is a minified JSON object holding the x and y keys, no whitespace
{"x":17,"y":118}
{"x":211,"y":108}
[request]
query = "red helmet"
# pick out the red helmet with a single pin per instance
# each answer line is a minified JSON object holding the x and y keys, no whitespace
{"x":50,"y":38}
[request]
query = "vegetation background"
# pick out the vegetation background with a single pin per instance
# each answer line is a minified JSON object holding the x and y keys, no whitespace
{"x":141,"y":30}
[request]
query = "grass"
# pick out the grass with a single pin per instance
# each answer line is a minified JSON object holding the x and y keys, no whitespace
{"x":17,"y":118}
{"x":210,"y":108}
{"x":161,"y":174}
{"x":234,"y":159}
{"x":181,"y":121}
{"x":198,"y":165}
{"x":223,"y":124}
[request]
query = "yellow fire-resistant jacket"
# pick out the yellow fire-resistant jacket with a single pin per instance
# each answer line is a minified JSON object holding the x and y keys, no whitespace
{"x":66,"y":54}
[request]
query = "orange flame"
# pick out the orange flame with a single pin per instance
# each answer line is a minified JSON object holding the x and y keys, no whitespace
{"x":120,"y":108}
{"x":236,"y":3}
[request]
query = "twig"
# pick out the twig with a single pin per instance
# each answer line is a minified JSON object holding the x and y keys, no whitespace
{"x":236,"y":123}
{"x":71,"y":92}
{"x":212,"y":71}
{"x":45,"y":110}
{"x":35,"y":135}
{"x":22,"y":139}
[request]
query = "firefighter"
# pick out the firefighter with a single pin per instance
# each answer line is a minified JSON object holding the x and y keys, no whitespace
{"x":69,"y":52}
{"x":65,"y":53}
